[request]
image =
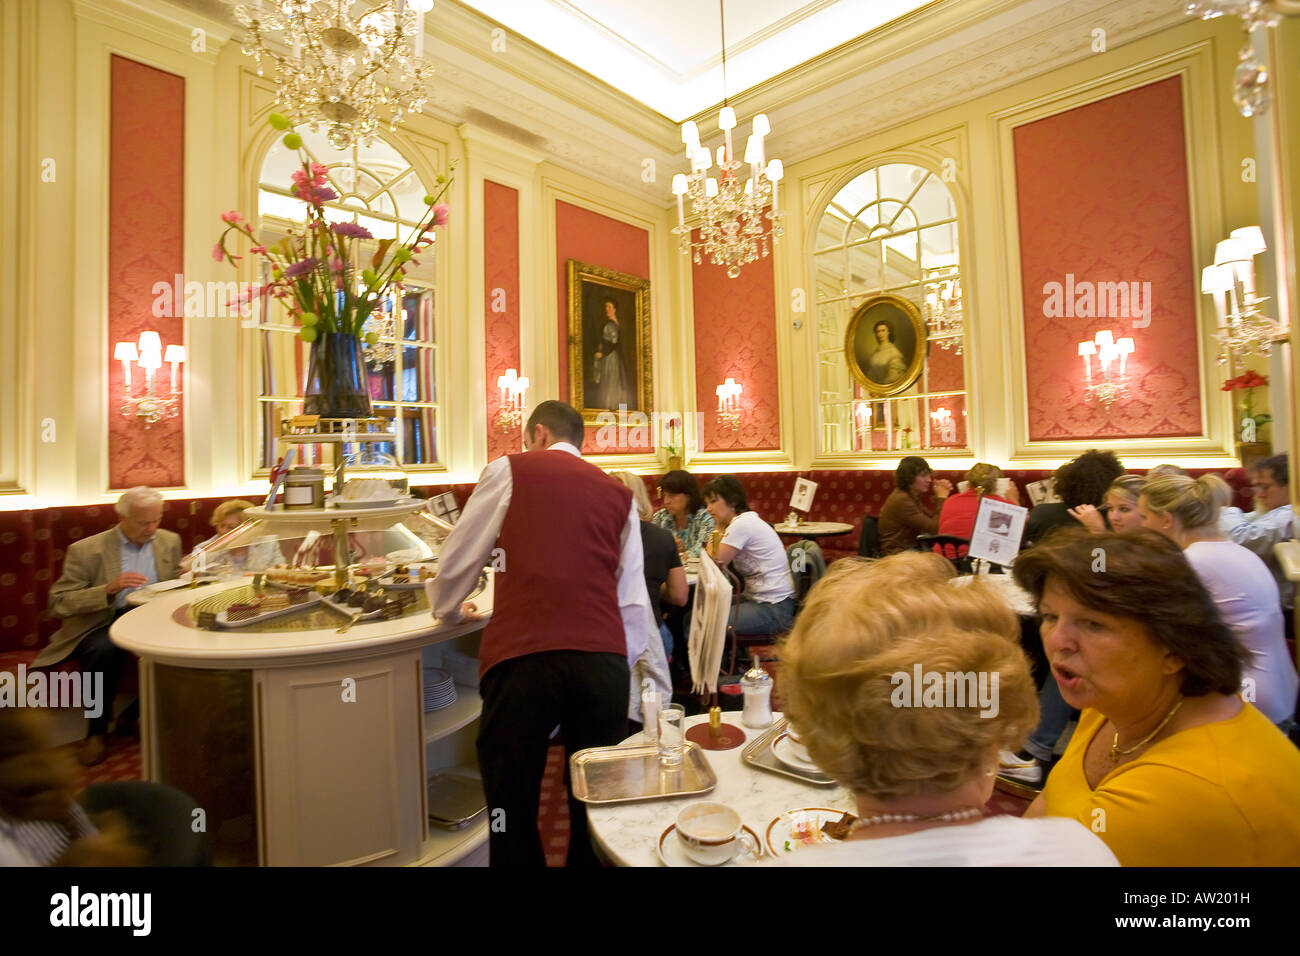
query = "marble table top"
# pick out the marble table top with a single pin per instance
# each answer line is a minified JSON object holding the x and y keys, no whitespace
{"x":628,"y":833}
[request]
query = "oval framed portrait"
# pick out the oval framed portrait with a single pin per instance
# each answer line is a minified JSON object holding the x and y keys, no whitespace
{"x":886,"y":344}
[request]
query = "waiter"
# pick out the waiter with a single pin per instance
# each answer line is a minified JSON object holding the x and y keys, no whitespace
{"x":569,"y":615}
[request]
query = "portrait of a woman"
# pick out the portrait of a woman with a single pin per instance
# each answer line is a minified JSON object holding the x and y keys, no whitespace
{"x":607,"y":369}
{"x":885,"y":365}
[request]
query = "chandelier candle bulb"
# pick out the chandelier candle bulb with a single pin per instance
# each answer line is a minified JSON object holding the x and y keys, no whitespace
{"x":691,"y":137}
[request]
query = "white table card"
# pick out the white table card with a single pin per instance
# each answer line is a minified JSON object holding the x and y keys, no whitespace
{"x":999,"y":527}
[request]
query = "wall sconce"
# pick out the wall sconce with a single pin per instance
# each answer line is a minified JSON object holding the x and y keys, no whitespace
{"x":1112,"y":385}
{"x":1243,"y":327}
{"x":942,"y":307}
{"x":511,"y":413}
{"x":150,"y":407}
{"x":729,"y":404}
{"x":862,"y":416}
{"x":941,"y":422}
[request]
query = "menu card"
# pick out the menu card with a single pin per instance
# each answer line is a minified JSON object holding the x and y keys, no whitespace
{"x":999,"y":526}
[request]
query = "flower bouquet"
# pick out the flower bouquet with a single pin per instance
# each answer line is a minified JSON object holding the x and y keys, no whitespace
{"x":318,"y":272}
{"x":672,"y":445}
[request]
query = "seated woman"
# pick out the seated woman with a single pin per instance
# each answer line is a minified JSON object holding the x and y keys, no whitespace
{"x":767,"y":604}
{"x":1080,"y":481}
{"x":903,"y":516}
{"x":665,"y":578}
{"x":226,"y":517}
{"x":1186,"y":511}
{"x":920,"y":775}
{"x":1168,"y":764}
{"x":683,"y":513}
{"x":958,"y":514}
{"x":1121,"y":507}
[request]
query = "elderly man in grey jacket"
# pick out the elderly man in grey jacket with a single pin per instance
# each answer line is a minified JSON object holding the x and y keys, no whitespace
{"x":98,"y":574}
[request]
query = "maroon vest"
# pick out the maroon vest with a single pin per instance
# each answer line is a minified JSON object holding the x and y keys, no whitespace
{"x":560,"y":541}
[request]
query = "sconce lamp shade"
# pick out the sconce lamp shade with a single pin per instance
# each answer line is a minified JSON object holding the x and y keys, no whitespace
{"x":151,"y":359}
{"x":1230,"y":250}
{"x":175,"y":353}
{"x":1124,"y":346}
{"x":1087,"y":348}
{"x":150,"y":342}
{"x":125,"y":352}
{"x":1251,"y":239}
{"x":1216,"y":279}
{"x":1104,"y":338}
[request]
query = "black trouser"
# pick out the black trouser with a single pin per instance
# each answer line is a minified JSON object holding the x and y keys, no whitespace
{"x":523,"y":700}
{"x":96,"y":653}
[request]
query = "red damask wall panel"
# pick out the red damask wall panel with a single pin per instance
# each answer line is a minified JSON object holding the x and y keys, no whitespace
{"x":735,"y":337}
{"x":1103,"y":200}
{"x":501,"y":302}
{"x":145,"y":245}
{"x":600,"y":241}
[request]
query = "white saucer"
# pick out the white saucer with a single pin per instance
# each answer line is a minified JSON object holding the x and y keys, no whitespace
{"x":793,"y":755}
{"x":672,"y":853}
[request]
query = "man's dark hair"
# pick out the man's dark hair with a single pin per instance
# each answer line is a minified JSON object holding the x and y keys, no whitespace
{"x":730,"y":490}
{"x":561,"y":420}
{"x":908,"y":470}
{"x":1275,"y":465}
{"x":1147,"y":579}
{"x":683,"y":483}
{"x":1084,"y":480}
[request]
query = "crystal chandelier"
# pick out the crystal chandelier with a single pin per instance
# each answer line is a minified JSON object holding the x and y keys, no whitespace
{"x":342,"y":71}
{"x":1250,"y":81}
{"x":943,"y":307}
{"x":732,"y":228}
{"x":1244,"y":329}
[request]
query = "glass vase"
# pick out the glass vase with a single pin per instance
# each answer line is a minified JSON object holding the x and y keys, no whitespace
{"x":336,"y":378}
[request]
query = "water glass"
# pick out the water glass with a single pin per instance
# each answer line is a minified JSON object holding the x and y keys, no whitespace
{"x":672,"y":735}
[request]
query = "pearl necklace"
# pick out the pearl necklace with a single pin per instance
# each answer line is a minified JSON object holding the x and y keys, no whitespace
{"x":966,"y":813}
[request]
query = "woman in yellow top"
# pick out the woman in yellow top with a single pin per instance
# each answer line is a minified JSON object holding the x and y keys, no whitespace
{"x":1168,"y":765}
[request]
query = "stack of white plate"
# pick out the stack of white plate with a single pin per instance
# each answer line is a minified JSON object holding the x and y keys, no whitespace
{"x":439,"y":689}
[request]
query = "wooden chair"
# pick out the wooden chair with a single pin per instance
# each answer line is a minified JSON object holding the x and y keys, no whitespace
{"x":869,"y":540}
{"x":962,"y":562}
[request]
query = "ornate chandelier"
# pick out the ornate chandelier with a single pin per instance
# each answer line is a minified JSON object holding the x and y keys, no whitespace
{"x":943,"y":307}
{"x":733,"y":232}
{"x":342,"y":71}
{"x":1250,"y":81}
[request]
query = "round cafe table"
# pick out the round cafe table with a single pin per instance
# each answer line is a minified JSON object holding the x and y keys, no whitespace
{"x":811,"y":530}
{"x":628,"y":833}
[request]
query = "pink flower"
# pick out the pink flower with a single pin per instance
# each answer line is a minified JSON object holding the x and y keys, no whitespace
{"x":218,"y":254}
{"x":441,"y":213}
{"x":260,"y":250}
{"x":231,"y":217}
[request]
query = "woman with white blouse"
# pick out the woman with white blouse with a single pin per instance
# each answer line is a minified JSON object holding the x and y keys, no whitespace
{"x":767,"y":604}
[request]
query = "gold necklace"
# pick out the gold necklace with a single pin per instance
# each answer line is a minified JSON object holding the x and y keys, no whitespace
{"x":1116,"y":752}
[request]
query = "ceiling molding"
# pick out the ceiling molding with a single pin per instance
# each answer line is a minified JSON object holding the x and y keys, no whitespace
{"x":940,"y":55}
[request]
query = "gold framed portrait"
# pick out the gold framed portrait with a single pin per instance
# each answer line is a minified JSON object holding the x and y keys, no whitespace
{"x":610,"y":349}
{"x":886,"y":344}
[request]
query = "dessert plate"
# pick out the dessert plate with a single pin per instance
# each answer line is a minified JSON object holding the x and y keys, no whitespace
{"x":796,"y":829}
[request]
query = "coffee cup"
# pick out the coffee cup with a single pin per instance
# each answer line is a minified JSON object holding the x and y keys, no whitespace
{"x":709,"y":832}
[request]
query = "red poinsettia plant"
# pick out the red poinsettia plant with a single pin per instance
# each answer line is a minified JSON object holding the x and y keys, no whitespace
{"x":672,"y":446}
{"x":317,"y":270}
{"x":1248,"y":381}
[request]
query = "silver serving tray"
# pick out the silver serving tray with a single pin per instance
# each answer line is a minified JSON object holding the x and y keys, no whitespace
{"x":759,"y":754}
{"x":626,"y":774}
{"x":455,"y":799}
{"x":224,"y":621}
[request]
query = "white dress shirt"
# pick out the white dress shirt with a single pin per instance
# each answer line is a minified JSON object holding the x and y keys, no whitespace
{"x":469,"y":548}
{"x":1259,"y":532}
{"x":137,"y":558}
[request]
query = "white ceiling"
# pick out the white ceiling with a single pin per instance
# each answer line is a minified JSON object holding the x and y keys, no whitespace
{"x":667,"y":53}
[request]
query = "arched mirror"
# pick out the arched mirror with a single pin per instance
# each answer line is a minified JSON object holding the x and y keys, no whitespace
{"x":379,"y":189}
{"x":890,"y":315}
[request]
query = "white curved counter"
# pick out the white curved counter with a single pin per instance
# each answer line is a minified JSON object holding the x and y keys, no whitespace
{"x":306,"y":748}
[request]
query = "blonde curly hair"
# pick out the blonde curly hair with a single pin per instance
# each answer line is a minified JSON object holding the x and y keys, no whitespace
{"x":866,"y":621}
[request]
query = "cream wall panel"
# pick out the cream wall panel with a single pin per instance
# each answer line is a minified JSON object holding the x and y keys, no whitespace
{"x":977,"y":134}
